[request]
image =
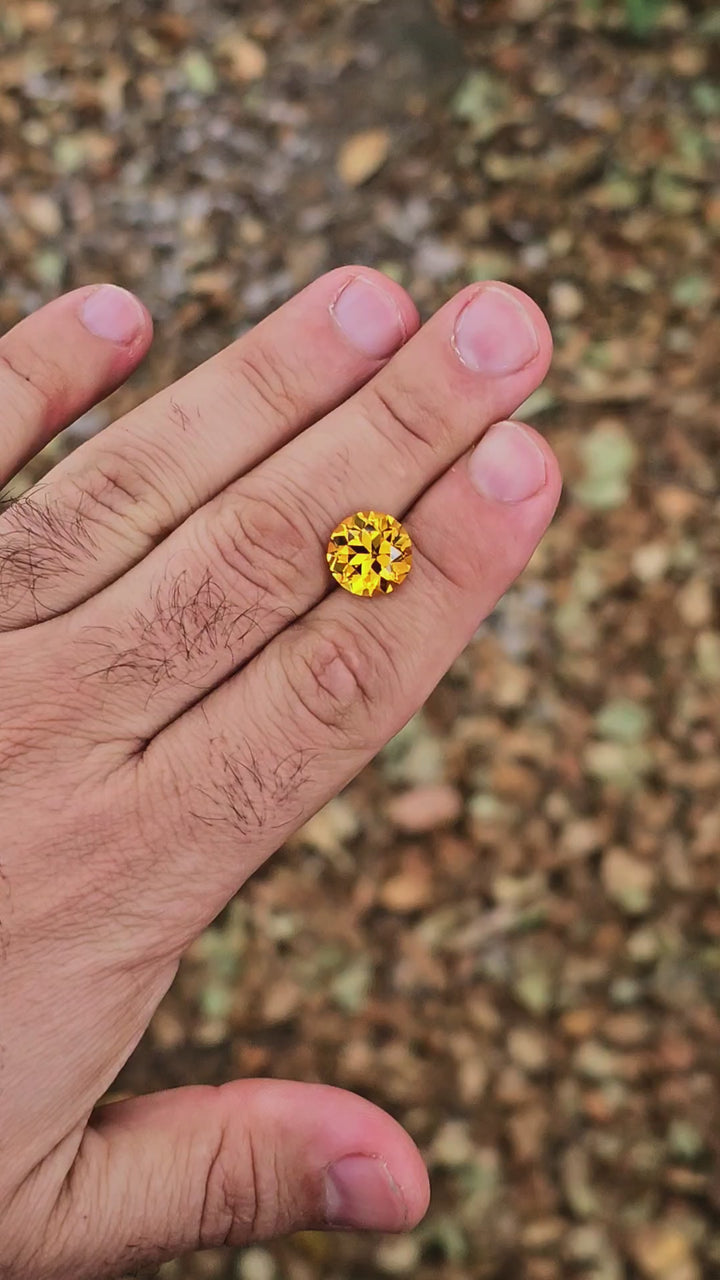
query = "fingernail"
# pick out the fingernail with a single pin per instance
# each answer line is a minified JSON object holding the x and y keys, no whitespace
{"x":369,"y":318}
{"x":112,"y":313}
{"x":361,"y":1193}
{"x":494,"y":333}
{"x":507,"y":465}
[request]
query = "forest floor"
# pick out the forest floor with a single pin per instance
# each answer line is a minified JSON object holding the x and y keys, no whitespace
{"x":507,"y":930}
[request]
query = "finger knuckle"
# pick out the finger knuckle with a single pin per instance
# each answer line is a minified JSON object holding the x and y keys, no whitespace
{"x":256,"y":539}
{"x":266,"y":375}
{"x":409,"y":420}
{"x":335,"y":673}
{"x":224,"y":1206}
{"x":124,"y":492}
{"x":246,"y":1194}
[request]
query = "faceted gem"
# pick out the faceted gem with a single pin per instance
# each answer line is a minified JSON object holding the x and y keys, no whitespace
{"x":370,"y":553}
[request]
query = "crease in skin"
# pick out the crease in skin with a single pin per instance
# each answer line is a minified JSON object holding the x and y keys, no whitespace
{"x":6,"y":912}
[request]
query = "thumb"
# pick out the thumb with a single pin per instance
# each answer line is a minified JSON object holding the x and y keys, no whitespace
{"x":199,"y":1167}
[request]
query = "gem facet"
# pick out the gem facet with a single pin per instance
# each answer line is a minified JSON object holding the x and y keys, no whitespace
{"x":370,"y":553}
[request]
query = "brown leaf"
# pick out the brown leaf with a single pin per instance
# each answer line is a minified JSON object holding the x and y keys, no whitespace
{"x":363,"y":155}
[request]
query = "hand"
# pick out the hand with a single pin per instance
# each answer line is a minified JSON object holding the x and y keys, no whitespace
{"x":180,"y":690}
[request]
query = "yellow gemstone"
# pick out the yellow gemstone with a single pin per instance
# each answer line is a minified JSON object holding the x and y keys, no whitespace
{"x":370,"y":553}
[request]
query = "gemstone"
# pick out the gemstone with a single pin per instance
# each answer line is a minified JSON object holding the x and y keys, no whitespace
{"x":370,"y":553}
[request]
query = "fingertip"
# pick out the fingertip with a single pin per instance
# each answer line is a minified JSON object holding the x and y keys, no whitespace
{"x":387,"y":1187}
{"x":532,"y":309}
{"x":553,"y":474}
{"x":147,"y":327}
{"x":400,"y":295}
{"x":369,"y":1130}
{"x":342,"y":277}
{"x":363,"y":1192}
{"x":496,"y":344}
{"x":417,"y":1194}
{"x":115,"y":315}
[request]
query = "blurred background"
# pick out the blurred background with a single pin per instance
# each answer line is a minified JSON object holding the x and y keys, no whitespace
{"x":507,"y":930}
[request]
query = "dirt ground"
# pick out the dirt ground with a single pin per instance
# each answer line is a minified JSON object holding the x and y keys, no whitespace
{"x":507,"y":930}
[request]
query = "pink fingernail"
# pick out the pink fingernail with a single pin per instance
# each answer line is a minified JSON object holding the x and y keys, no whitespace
{"x":494,"y":333}
{"x":507,"y":465}
{"x":113,"y":314}
{"x":369,"y":317}
{"x":361,"y":1193}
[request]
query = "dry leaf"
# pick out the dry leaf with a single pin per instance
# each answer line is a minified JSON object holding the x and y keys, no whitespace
{"x":363,"y":155}
{"x":246,"y":58}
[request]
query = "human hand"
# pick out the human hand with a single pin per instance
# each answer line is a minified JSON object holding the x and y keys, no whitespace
{"x":180,"y":690}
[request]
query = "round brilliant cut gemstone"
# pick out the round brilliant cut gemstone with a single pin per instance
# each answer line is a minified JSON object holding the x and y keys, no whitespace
{"x":370,"y":553}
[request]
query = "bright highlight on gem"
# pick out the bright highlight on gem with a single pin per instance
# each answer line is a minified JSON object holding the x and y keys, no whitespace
{"x":370,"y":554}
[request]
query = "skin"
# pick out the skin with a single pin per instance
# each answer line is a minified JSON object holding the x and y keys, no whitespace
{"x":182,"y":686}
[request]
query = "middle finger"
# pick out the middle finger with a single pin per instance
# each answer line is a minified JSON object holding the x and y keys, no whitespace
{"x":249,"y":562}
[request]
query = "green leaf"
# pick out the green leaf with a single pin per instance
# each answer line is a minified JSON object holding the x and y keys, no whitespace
{"x":216,"y":1001}
{"x":199,"y":72}
{"x":685,"y":1141}
{"x":642,"y":15}
{"x":350,"y":988}
{"x":539,"y":402}
{"x":482,"y":100}
{"x":447,"y":1237}
{"x":706,"y":97}
{"x":692,"y":291}
{"x":608,"y":455}
{"x":49,"y":267}
{"x":534,"y":991}
{"x":623,"y":721}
